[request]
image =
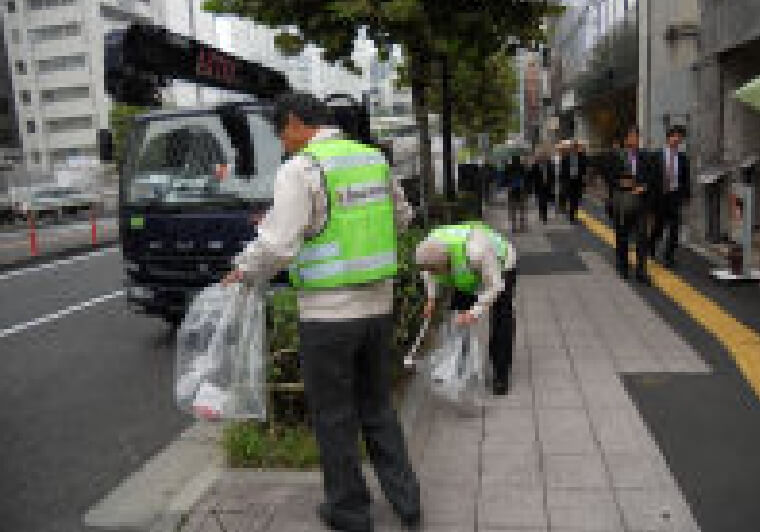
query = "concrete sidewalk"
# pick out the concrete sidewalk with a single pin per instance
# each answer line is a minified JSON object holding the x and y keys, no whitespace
{"x":566,"y":450}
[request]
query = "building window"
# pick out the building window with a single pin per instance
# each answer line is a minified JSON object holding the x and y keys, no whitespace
{"x":54,"y":33}
{"x":58,"y":125}
{"x":15,"y":36}
{"x":64,"y":94}
{"x":20,"y":67}
{"x":26,"y":97}
{"x":61,"y":63}
{"x":36,"y":158}
{"x":31,"y":126}
{"x":37,"y":5}
{"x":11,"y":6}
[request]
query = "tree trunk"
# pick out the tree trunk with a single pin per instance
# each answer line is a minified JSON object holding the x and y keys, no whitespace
{"x":427,"y":183}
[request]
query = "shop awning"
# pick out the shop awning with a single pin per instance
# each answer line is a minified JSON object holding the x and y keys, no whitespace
{"x":750,"y":93}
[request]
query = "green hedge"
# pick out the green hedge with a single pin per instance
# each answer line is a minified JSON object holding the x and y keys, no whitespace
{"x":286,"y":441}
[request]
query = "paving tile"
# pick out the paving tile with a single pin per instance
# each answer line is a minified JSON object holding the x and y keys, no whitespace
{"x":623,"y":350}
{"x":201,"y":521}
{"x":515,"y":507}
{"x":684,"y":365}
{"x":511,"y":427}
{"x":510,"y":465}
{"x":642,"y":471}
{"x":596,"y":371}
{"x":643,"y":364}
{"x":655,"y":510}
{"x":559,"y":398}
{"x":575,"y":471}
{"x":444,"y":504}
{"x":605,"y":395}
{"x":621,"y":431}
{"x":583,"y":510}
{"x":555,"y":380}
{"x":520,"y":397}
{"x":564,"y":431}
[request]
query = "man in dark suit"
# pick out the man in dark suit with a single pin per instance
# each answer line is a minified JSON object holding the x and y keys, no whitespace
{"x":609,"y":165}
{"x":671,"y":188}
{"x":631,"y":204}
{"x":573,"y":175}
{"x":543,"y":179}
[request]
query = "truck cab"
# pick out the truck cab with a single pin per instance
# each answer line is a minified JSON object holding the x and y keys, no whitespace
{"x":193,"y":186}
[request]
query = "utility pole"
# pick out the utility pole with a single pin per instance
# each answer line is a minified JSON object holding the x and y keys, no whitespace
{"x":448,"y":178}
{"x":193,"y":30}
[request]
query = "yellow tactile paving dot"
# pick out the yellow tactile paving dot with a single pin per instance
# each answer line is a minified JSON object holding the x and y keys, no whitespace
{"x":740,"y":341}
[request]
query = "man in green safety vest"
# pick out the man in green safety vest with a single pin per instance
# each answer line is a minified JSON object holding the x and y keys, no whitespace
{"x":333,"y":223}
{"x":479,"y":264}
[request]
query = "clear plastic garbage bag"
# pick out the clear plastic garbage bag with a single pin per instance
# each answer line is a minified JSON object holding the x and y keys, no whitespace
{"x":221,"y":350}
{"x":456,"y":368}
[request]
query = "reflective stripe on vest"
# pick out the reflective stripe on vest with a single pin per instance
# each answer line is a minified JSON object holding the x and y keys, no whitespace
{"x":455,"y":238}
{"x":349,"y":161}
{"x":336,"y":267}
{"x":358,"y":242}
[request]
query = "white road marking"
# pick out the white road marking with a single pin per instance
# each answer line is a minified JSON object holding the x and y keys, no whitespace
{"x":60,"y":314}
{"x":57,"y":263}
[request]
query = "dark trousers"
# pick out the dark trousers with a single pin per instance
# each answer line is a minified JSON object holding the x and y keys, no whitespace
{"x":631,"y":218}
{"x":543,"y":204}
{"x":347,"y":377}
{"x":574,"y":193}
{"x":667,"y":219}
{"x":562,"y":199}
{"x":502,"y":325}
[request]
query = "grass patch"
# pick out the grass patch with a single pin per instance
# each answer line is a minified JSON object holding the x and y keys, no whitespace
{"x":273,"y":446}
{"x":262,"y":445}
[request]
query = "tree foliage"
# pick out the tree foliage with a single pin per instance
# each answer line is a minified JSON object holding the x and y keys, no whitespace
{"x":472,"y":34}
{"x":483,"y":97}
{"x":120,"y":123}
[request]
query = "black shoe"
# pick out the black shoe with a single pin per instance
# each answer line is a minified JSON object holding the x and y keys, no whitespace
{"x":670,"y":263}
{"x":343,"y":524}
{"x":623,"y":271}
{"x":500,"y":388}
{"x":412,"y":521}
{"x":643,"y":278}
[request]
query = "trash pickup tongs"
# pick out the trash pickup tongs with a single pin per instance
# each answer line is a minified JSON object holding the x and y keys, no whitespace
{"x":410,"y":360}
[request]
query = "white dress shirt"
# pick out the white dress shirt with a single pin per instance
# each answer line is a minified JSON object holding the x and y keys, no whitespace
{"x":671,"y":180}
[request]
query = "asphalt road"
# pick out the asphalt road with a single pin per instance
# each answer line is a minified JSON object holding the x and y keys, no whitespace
{"x":85,"y":391}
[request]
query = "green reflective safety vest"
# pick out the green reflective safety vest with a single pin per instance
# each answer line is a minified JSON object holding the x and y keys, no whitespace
{"x":358,"y":242}
{"x":461,"y":276}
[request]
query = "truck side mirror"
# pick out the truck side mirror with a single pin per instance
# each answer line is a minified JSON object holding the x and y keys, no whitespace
{"x":105,"y":145}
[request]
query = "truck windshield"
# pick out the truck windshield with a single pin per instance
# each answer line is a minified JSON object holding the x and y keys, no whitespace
{"x":191,"y":160}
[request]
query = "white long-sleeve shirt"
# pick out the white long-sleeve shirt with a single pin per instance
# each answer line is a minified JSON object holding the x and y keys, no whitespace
{"x":482,"y":257}
{"x":300,"y":211}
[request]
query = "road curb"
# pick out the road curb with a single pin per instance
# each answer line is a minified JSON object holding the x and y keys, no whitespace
{"x":67,"y":253}
{"x":132,"y":505}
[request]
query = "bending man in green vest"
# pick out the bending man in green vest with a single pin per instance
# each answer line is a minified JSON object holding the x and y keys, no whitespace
{"x":479,"y":264}
{"x":334,"y":221}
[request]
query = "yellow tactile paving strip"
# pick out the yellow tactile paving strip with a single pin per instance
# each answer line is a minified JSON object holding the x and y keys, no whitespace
{"x":742,"y":342}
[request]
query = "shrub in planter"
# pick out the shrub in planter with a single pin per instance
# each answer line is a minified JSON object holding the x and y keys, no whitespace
{"x":286,"y":439}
